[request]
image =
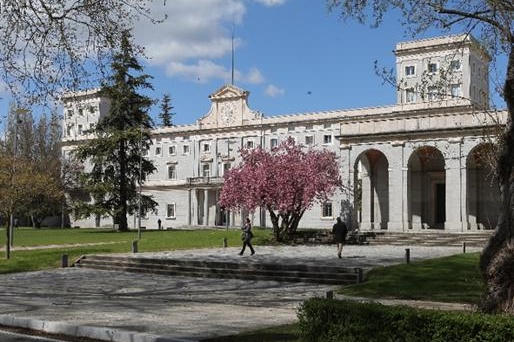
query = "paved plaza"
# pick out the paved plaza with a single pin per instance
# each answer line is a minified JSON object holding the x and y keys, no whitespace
{"x":122,"y":306}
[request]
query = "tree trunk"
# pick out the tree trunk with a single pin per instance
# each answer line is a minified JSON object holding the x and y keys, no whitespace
{"x":122,"y":214}
{"x":496,"y":249}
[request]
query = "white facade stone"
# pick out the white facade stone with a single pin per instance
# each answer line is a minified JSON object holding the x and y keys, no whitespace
{"x":406,"y":167}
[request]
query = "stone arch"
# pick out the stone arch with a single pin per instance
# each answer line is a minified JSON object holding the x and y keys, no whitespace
{"x":483,"y":192}
{"x":371,"y":172}
{"x":426,"y":189}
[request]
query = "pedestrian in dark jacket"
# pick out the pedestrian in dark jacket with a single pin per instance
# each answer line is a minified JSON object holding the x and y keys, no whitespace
{"x":340,"y":231}
{"x":247,"y":236}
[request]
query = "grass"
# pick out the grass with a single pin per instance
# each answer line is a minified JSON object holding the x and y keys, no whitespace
{"x":283,"y":333}
{"x":454,"y":279}
{"x":107,"y":241}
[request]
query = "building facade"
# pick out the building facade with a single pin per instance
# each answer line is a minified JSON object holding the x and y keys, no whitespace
{"x":420,"y":164}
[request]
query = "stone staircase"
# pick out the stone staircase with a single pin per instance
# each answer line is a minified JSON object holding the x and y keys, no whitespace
{"x":429,"y":239}
{"x":217,"y":269}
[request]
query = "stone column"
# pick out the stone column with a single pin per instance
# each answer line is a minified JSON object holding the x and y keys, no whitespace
{"x":205,"y":207}
{"x":367,"y":198}
{"x":396,"y":191}
{"x":453,"y":186}
{"x":194,"y":207}
{"x":189,"y":207}
{"x":348,"y":205}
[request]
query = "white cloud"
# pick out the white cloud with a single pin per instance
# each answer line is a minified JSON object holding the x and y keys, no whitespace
{"x":270,"y":3}
{"x":203,"y":71}
{"x":194,"y":37}
{"x":197,"y":29}
{"x":274,"y":91}
{"x":255,"y":76}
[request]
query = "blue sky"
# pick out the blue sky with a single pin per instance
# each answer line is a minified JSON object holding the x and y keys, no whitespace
{"x":292,"y":55}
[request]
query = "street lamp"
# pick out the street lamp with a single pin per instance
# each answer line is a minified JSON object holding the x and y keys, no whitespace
{"x":140,"y":181}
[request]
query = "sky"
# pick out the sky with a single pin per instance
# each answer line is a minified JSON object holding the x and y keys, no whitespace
{"x":293,"y":56}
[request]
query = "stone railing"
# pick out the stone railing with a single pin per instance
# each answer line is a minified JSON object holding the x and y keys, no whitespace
{"x":192,"y":181}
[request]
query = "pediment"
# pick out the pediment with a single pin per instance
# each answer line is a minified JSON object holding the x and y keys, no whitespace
{"x":227,"y":92}
{"x":229,"y":107}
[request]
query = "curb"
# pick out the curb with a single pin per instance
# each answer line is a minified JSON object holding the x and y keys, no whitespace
{"x":99,"y":333}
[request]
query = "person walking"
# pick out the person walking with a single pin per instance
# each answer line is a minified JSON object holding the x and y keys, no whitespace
{"x":247,"y":236}
{"x":340,"y":231}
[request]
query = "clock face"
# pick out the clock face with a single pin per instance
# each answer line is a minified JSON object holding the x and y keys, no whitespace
{"x":226,"y":113}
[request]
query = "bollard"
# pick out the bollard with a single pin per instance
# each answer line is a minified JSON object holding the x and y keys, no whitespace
{"x":464,"y":247}
{"x":330,"y":294}
{"x":359,"y":273}
{"x":407,"y":255}
{"x":134,"y":246}
{"x":64,"y":260}
{"x":225,"y":244}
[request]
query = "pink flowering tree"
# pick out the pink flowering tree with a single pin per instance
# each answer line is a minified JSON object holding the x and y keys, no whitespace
{"x":286,"y":180}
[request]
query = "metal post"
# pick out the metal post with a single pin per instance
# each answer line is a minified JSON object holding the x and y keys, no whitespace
{"x":464,"y":247}
{"x":64,"y":260}
{"x":140,"y":181}
{"x":407,"y":255}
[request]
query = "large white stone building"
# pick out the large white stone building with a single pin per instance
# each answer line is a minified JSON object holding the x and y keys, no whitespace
{"x":418,"y":164}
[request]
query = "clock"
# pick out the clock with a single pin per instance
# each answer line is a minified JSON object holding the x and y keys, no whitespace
{"x":226,"y":115}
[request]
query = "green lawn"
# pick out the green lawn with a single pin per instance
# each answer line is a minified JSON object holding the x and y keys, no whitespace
{"x":108,"y":242}
{"x":449,"y":279}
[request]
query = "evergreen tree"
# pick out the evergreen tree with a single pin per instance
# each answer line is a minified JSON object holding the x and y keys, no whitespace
{"x":166,"y":111}
{"x":116,"y":155}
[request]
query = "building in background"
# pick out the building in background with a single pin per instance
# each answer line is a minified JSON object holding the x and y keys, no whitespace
{"x":419,"y":164}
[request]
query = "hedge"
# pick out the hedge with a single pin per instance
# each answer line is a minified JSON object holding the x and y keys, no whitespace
{"x":325,"y":320}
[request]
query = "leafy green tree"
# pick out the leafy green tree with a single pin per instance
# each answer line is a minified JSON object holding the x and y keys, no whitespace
{"x":493,"y":22}
{"x":36,"y":141}
{"x":166,"y":113}
{"x":116,"y":153}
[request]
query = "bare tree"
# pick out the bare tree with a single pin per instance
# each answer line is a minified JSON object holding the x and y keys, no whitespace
{"x":492,"y":21}
{"x":48,"y":45}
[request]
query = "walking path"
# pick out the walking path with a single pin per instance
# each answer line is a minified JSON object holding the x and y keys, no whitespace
{"x":121,"y":306}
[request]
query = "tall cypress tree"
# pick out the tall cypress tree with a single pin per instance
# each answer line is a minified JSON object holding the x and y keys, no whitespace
{"x":116,"y":154}
{"x":166,"y":111}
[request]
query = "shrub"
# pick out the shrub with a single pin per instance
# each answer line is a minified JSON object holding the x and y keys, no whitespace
{"x":327,"y":320}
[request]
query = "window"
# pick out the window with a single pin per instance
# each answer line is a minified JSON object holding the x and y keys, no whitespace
{"x":158,"y":150}
{"x":455,"y":90}
{"x":185,"y":149}
{"x":327,"y":139}
{"x":69,"y":130}
{"x":170,"y":210}
{"x":410,"y":71}
{"x":291,"y":129}
{"x":91,"y":109}
{"x":432,"y":68}
{"x":81,"y":111}
{"x":433,"y":93}
{"x":410,"y":95}
{"x":249,"y":144}
{"x":273,"y":142}
{"x":226,"y":167}
{"x":455,"y":65}
{"x":309,"y":140}
{"x":326,"y":210}
{"x":79,"y":129}
{"x":327,"y":126}
{"x":172,"y":150}
{"x":91,"y":127}
{"x":206,"y":147}
{"x":70,"y":113}
{"x":309,"y":127}
{"x":172,"y":172}
{"x":206,"y":170}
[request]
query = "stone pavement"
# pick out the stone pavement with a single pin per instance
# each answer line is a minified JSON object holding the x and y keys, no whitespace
{"x":134,"y":307}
